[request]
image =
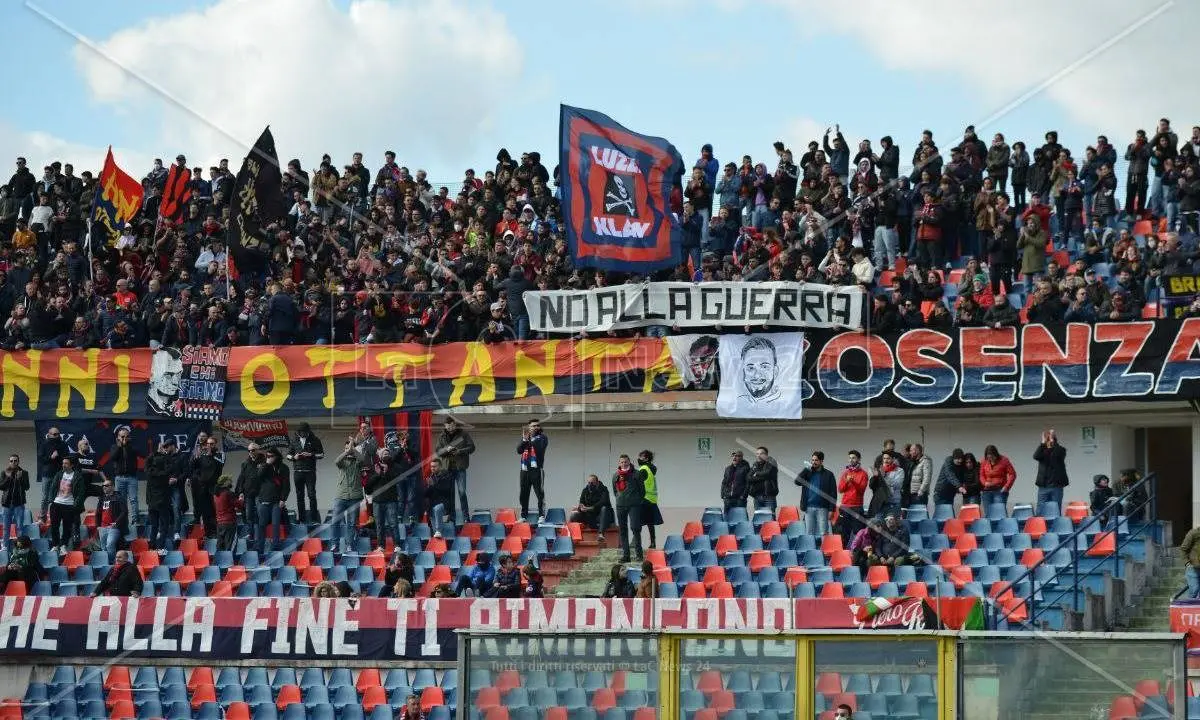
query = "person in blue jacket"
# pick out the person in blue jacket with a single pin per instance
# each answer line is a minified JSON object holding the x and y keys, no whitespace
{"x":479,"y":579}
{"x":818,"y":496}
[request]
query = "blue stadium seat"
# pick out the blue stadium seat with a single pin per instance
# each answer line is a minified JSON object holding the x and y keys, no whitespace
{"x":1021,"y":513}
{"x":1050,"y":509}
{"x":556,"y":516}
{"x":942,"y":513}
{"x":1020,"y":542}
{"x":992,"y":543}
{"x":736,"y":515}
{"x":916,"y":513}
{"x":996,"y":512}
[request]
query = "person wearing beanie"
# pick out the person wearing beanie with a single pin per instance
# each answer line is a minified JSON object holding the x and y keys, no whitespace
{"x":950,"y":479}
{"x":1102,"y":498}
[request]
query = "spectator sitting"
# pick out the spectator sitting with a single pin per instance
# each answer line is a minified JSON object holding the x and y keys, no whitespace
{"x":325,"y":589}
{"x":401,"y":568}
{"x":123,"y":579}
{"x":23,"y":565}
{"x":595,"y":507}
{"x":862,"y":545}
{"x":478,"y":580}
{"x":1101,"y":499}
{"x":508,"y":579}
{"x":1001,"y":314}
{"x":412,"y":709}
{"x":892,"y":546}
{"x":618,"y":585}
{"x":532,"y":580}
{"x":400,"y":589}
{"x":444,"y":590}
{"x":648,"y":585}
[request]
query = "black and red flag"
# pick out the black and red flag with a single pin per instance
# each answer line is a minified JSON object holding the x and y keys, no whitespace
{"x":416,"y":424}
{"x":176,"y":194}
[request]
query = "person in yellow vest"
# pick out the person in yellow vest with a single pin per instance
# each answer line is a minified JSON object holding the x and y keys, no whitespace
{"x":651,"y":516}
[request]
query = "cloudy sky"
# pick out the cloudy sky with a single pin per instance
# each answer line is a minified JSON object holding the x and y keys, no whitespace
{"x":445,"y":83}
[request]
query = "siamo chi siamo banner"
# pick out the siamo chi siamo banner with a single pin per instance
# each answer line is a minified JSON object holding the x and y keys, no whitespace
{"x":278,"y":628}
{"x":966,"y":367}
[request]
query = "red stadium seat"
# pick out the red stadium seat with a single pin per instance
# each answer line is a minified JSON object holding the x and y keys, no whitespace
{"x":237,"y":710}
{"x":10,"y":709}
{"x":769,"y":530}
{"x":915,"y":589}
{"x":712,"y":575}
{"x":725,"y":545}
{"x":471,"y":530}
{"x":642,"y":713}
{"x":845,"y":699}
{"x":787,"y":515}
{"x":721,"y":591}
{"x":522,"y":530}
{"x":839,"y":560}
{"x":966,"y":543}
{"x":617,"y":681}
{"x":222,"y":588}
{"x":759,"y":559}
{"x":437,"y":546}
{"x":1104,"y":545}
{"x":506,"y":517}
{"x":877,"y":575}
{"x":373,"y":696}
{"x":311,"y":546}
{"x":184,"y":575}
{"x":431,"y":697}
{"x":187,"y":546}
{"x":1032,"y":556}
{"x":73,"y":560}
{"x":1143,"y":689}
{"x":200,"y":676}
{"x":831,"y":544}
{"x":301,"y":561}
{"x":488,"y":697}
{"x":960,"y":576}
{"x":235,"y":576}
{"x":664,"y":575}
{"x":508,"y":680}
{"x":203,"y":694}
{"x":438,"y":575}
{"x":1076,"y":510}
{"x":829,"y":684}
{"x":496,"y":713}
{"x":1035,"y":527}
{"x":118,"y":677}
{"x":1123,"y":708}
{"x":16,"y":588}
{"x":793,"y":576}
{"x":691,"y":530}
{"x":512,"y":545}
{"x":560,"y":713}
{"x":832,"y":590}
{"x":122,"y":711}
{"x":722,"y":701}
{"x":367,"y":678}
{"x":949,"y":558}
{"x":953,"y":529}
{"x":604,"y":700}
{"x":657,"y":558}
{"x":694,"y":590}
{"x":969,"y":513}
{"x":116,"y":695}
{"x":710,"y":682}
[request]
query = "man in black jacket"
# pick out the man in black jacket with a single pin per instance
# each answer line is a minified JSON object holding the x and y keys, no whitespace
{"x":532,"y":451}
{"x":763,"y":480}
{"x":247,"y":483}
{"x":274,"y":486}
{"x":50,"y":456}
{"x":112,"y":517}
{"x":160,"y":478}
{"x":1052,"y":470}
{"x":735,"y":483}
{"x":206,"y":468}
{"x":306,"y":450}
{"x":123,"y":466}
{"x":14,"y":486}
{"x":439,"y":494}
{"x":383,"y":490}
{"x":595,"y":507}
{"x":122,"y":580}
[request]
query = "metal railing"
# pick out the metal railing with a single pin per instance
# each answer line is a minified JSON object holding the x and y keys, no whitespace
{"x":1127,"y":505}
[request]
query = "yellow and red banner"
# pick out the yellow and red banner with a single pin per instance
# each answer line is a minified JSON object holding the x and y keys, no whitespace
{"x":118,"y":198}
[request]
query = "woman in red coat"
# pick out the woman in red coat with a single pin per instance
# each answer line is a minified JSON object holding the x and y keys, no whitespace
{"x":996,"y":475}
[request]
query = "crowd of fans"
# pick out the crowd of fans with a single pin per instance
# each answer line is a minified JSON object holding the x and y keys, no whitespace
{"x":384,"y":256}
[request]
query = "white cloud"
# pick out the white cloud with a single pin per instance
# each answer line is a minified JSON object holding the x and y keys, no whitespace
{"x":1004,"y":49}
{"x":419,"y":78}
{"x":41,"y":149}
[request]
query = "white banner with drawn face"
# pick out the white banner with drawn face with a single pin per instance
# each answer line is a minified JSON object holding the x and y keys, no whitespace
{"x":761,"y":376}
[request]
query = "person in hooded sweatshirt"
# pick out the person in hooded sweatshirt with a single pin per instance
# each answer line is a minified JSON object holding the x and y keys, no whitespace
{"x":514,"y":288}
{"x":950,"y":479}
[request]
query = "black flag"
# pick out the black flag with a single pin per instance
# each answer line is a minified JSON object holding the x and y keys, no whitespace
{"x":257,"y":202}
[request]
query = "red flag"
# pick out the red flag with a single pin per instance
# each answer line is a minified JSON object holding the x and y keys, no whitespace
{"x":176,"y":194}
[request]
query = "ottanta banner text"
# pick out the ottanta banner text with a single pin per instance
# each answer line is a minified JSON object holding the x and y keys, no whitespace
{"x":732,"y":305}
{"x":966,"y":367}
{"x":389,"y":629}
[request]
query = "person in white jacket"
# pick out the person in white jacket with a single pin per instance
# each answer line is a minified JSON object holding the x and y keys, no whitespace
{"x":922,"y":475}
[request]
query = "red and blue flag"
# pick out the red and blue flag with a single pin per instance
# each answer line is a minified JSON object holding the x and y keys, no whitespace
{"x":616,"y":191}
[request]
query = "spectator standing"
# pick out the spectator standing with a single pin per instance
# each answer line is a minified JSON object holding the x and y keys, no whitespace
{"x":629,"y":488}
{"x":1052,"y":470}
{"x":383,"y":491}
{"x":595,"y":508}
{"x":950,"y":479}
{"x":69,"y":495}
{"x":735,"y":483}
{"x":122,"y":580}
{"x":1137,"y":154}
{"x":14,"y":487}
{"x":159,"y":480}
{"x":206,"y":468}
{"x":305,"y":451}
{"x":763,"y":480}
{"x":1190,"y":549}
{"x":996,"y":476}
{"x":53,"y":450}
{"x":922,"y":475}
{"x":852,"y":486}
{"x":455,"y":446}
{"x":88,"y":465}
{"x":971,"y":489}
{"x":180,"y":472}
{"x":347,"y":498}
{"x":650,"y":517}
{"x":890,"y":484}
{"x":532,"y":451}
{"x":226,"y":511}
{"x":274,"y":486}
{"x":123,"y":464}
{"x":282,"y":316}
{"x":247,"y":485}
{"x":818,"y":495}
{"x":112,"y":517}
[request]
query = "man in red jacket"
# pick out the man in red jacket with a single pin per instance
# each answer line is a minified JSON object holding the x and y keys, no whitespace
{"x":852,"y":485}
